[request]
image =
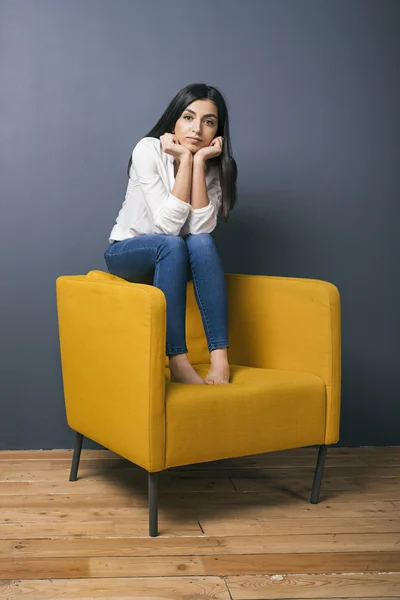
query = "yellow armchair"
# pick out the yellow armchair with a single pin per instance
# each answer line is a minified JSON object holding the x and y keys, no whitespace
{"x":285,"y":357}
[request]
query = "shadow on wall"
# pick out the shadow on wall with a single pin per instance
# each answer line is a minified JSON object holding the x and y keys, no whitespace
{"x":366,"y":377}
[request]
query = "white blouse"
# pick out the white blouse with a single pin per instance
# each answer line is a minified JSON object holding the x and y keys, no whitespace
{"x":150,"y":207}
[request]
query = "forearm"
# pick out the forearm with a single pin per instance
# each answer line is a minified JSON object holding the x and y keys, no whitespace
{"x":199,"y":196}
{"x":183,"y":180}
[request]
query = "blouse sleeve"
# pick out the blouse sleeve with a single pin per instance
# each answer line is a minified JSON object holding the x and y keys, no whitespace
{"x":204,"y":220}
{"x":169,"y":212}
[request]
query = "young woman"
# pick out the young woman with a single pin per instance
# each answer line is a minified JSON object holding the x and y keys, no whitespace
{"x":181,"y":178}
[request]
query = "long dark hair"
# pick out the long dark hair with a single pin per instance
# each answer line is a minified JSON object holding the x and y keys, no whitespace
{"x":225,"y":162}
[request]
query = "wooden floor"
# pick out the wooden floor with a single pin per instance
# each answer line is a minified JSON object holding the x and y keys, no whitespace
{"x":238,"y":529}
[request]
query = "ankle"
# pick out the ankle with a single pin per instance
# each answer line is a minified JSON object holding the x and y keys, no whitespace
{"x":178,"y":359}
{"x":220,"y":355}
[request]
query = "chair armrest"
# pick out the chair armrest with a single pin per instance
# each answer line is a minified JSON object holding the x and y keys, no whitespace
{"x":112,"y":347}
{"x":292,"y":324}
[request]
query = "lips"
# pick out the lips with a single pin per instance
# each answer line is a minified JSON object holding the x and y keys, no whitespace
{"x":192,"y":139}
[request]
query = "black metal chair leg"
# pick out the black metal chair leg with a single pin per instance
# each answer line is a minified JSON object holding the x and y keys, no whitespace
{"x":319,"y":471}
{"x":153,"y":504}
{"x":76,"y":457}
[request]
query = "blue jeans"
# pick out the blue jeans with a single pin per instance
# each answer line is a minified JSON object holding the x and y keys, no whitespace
{"x":169,"y":262}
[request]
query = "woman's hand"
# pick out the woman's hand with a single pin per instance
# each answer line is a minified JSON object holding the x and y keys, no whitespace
{"x":214,"y":149}
{"x":170,"y":144}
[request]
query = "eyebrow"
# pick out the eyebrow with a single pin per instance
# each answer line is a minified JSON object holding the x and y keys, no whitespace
{"x":207,"y":115}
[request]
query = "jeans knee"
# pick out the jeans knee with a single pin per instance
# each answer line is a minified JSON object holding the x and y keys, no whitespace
{"x":199,"y":240}
{"x":174,"y":244}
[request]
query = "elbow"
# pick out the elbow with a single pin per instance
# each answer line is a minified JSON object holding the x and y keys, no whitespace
{"x":171,"y":216}
{"x":203,"y":220}
{"x":167,"y":228}
{"x":167,"y":225}
{"x":206,"y":227}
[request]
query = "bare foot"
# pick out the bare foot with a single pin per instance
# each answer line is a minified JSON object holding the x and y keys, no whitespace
{"x":182,"y":371}
{"x":220,"y":370}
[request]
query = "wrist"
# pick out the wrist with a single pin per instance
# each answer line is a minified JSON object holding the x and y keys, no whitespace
{"x":199,"y":160}
{"x":186,"y":158}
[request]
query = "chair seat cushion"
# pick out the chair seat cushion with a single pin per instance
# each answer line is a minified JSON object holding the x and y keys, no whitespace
{"x":258,"y":411}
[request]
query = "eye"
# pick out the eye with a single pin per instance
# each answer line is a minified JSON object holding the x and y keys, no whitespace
{"x":190,"y":117}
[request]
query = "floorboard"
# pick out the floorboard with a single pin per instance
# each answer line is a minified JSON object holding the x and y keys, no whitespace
{"x":237,"y":529}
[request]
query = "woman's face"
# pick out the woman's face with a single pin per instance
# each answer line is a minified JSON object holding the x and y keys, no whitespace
{"x":198,"y":120}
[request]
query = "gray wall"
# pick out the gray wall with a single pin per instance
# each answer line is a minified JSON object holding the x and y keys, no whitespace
{"x":313,"y":92}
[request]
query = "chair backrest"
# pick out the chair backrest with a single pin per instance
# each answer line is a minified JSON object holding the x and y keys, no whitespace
{"x":195,"y":337}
